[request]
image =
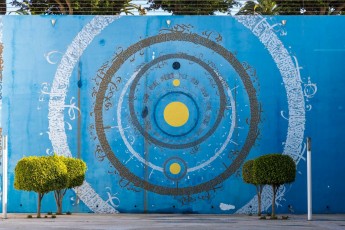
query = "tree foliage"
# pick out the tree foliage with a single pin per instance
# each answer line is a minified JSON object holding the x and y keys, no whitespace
{"x":310,"y":7}
{"x":76,"y":169}
{"x":274,"y":170}
{"x":199,"y":7}
{"x":263,"y":7}
{"x":76,"y":7}
{"x":41,"y":175}
{"x":247,"y":172}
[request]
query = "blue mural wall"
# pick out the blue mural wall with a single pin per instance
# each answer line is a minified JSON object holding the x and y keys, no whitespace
{"x":165,"y":110}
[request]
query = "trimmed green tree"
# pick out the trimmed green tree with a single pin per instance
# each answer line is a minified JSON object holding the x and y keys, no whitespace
{"x":76,"y":169}
{"x":41,"y":175}
{"x":274,"y":170}
{"x":248,"y":177}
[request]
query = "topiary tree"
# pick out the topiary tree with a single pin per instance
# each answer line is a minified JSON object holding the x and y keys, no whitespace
{"x":76,"y":169}
{"x":274,"y":170}
{"x":248,"y":177}
{"x":41,"y":175}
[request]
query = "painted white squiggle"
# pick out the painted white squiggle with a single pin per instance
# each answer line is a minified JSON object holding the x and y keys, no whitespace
{"x":48,"y":56}
{"x":291,"y":78}
{"x":57,"y":133}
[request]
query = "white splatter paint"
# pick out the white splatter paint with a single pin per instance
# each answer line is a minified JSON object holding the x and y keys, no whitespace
{"x":226,"y":207}
{"x":50,"y":55}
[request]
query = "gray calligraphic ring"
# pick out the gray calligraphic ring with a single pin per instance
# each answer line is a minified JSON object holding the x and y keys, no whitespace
{"x":253,"y":124}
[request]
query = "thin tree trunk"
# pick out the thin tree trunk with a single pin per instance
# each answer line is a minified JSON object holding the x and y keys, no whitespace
{"x":259,"y":203}
{"x":58,"y":201}
{"x":61,"y":7}
{"x":70,"y":8}
{"x":274,"y":202}
{"x":40,"y":196}
{"x":59,"y":194}
{"x":259,"y":191}
{"x":60,"y":207}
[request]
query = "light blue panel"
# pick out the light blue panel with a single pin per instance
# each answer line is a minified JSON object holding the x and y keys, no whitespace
{"x":98,"y":88}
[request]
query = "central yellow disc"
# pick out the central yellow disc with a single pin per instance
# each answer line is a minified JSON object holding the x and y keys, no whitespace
{"x":176,"y":114}
{"x":175,"y":168}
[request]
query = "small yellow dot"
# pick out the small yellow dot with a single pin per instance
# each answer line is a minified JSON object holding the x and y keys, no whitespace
{"x":175,"y":168}
{"x":176,"y":82}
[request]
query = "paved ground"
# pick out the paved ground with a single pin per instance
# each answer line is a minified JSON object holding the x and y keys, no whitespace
{"x":167,"y":221}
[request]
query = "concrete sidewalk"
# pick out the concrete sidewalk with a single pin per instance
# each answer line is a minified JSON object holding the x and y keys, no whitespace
{"x":170,"y":221}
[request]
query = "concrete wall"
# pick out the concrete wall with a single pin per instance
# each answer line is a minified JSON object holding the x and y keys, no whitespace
{"x":165,"y":110}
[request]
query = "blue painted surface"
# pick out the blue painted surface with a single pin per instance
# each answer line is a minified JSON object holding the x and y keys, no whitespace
{"x":33,"y":50}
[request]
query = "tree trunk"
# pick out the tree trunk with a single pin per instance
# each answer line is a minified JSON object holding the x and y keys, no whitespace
{"x":59,"y":194}
{"x":274,"y":201}
{"x":259,"y":203}
{"x":40,"y":196}
{"x":59,"y":211}
{"x":61,"y":7}
{"x":70,"y":9}
{"x":58,"y":201}
{"x":259,"y":191}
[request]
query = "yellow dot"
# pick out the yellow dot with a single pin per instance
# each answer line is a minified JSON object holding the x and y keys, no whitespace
{"x":176,"y":82}
{"x":176,"y":114}
{"x":175,"y":168}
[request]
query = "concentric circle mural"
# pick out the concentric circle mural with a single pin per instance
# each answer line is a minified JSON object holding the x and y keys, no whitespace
{"x":171,"y":112}
{"x":175,"y":112}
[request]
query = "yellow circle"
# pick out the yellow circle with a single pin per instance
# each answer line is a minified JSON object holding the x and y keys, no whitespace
{"x":176,"y":114}
{"x":175,"y":168}
{"x":176,"y":82}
